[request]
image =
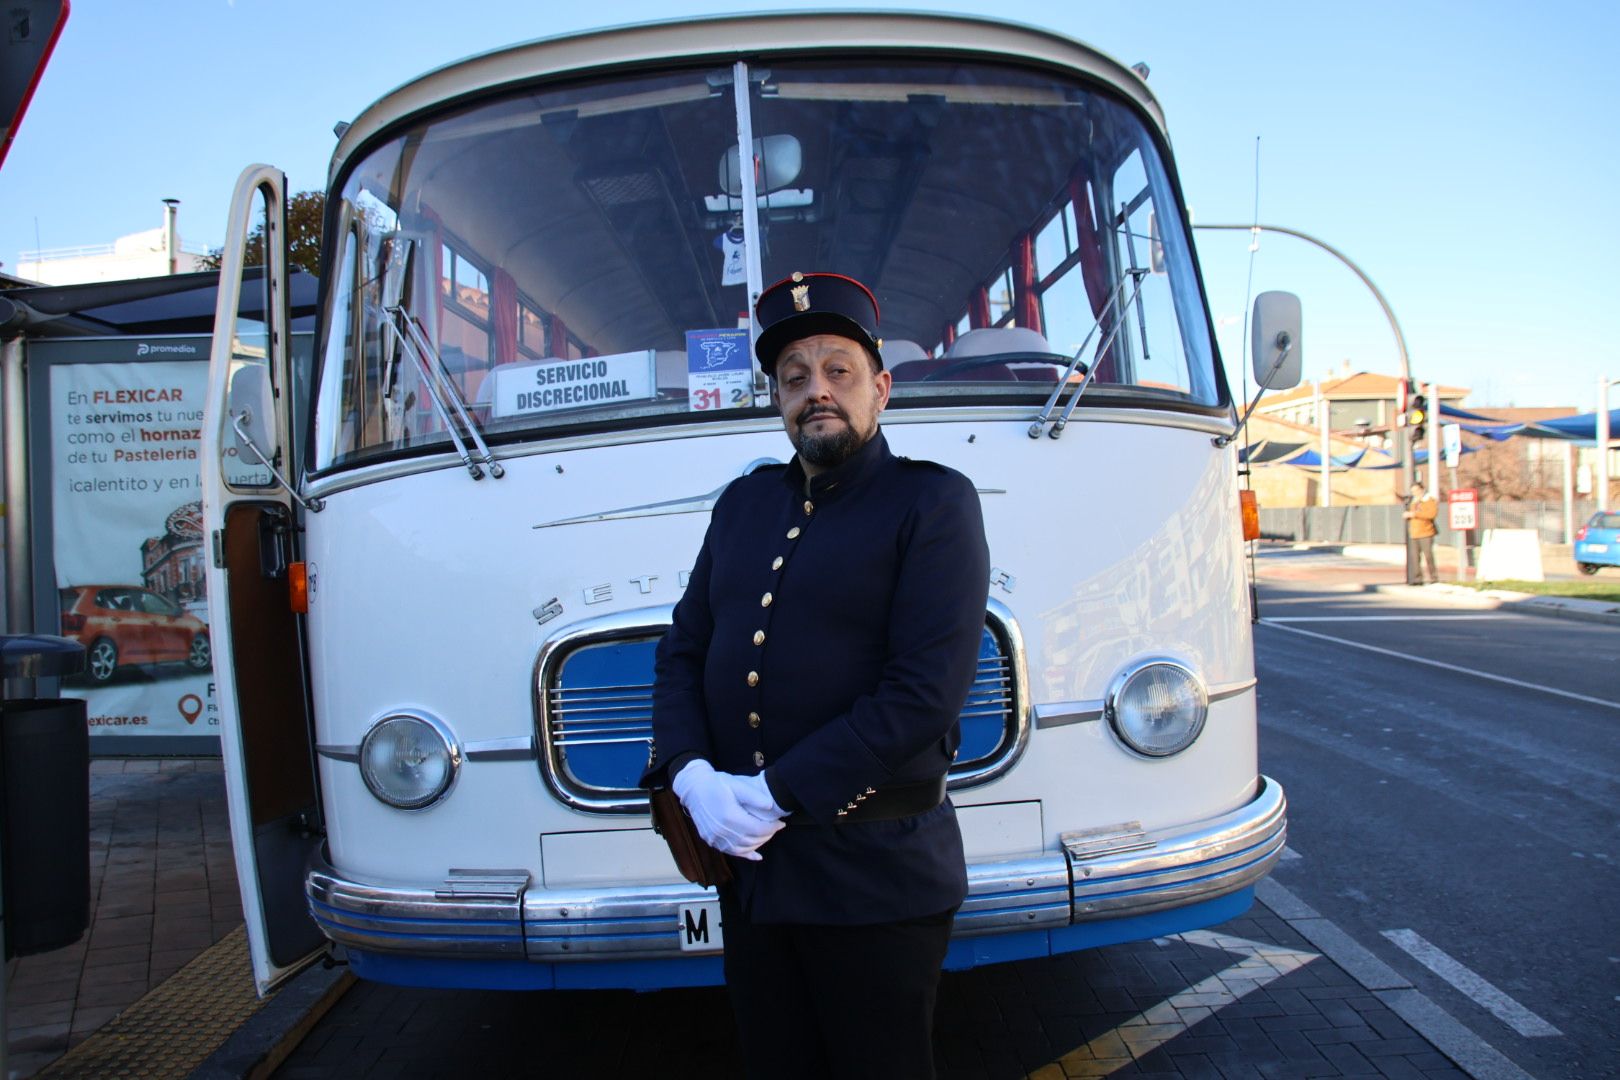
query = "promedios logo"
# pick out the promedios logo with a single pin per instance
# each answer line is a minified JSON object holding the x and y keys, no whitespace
{"x":147,"y":349}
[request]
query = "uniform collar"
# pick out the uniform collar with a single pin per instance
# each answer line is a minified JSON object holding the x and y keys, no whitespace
{"x":865,"y":461}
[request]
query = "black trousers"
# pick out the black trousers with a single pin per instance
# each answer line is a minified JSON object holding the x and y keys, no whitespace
{"x":834,"y":1001}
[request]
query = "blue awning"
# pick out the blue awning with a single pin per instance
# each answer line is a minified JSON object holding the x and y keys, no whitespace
{"x":1311,"y":459}
{"x":1582,"y":428}
{"x":1499,"y":433}
{"x":1267,"y":450}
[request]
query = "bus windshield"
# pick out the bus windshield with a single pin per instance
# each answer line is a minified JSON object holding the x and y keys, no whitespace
{"x":578,"y":257}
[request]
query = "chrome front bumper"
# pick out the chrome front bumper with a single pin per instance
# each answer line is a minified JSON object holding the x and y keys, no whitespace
{"x":1105,"y":874}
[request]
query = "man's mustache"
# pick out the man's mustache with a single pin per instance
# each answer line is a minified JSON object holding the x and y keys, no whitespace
{"x":810,"y":412}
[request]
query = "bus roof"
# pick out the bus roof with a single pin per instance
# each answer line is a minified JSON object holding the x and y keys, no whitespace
{"x":732,"y":37}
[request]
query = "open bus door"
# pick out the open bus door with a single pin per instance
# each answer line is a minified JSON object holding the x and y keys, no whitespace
{"x":250,"y":518}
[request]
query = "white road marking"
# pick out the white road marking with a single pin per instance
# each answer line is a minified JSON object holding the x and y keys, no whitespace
{"x":1500,"y":1005}
{"x":1152,"y":1028}
{"x":1386,"y":618}
{"x":1447,"y":667}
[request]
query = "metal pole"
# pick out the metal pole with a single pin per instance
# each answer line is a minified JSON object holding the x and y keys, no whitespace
{"x":19,"y":593}
{"x":19,"y":573}
{"x":1569,"y":493}
{"x":748,"y":192}
{"x":1462,"y":544}
{"x":1407,"y":470}
{"x":1325,"y":496}
{"x":1603,"y":443}
{"x":1433,"y":428}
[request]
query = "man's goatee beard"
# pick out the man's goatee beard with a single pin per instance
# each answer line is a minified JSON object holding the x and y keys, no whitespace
{"x":829,"y":451}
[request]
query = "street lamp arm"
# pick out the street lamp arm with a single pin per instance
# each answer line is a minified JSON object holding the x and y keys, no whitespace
{"x":1389,"y":312}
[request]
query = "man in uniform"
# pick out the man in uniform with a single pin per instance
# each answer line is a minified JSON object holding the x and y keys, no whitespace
{"x":806,"y":703}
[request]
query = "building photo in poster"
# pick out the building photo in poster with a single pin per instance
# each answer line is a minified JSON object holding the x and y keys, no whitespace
{"x":128,"y":540}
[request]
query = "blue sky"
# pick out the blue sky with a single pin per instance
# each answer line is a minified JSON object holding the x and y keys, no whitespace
{"x":1463,"y":154}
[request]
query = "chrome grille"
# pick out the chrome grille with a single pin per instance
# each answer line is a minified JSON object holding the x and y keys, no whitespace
{"x":596,"y":709}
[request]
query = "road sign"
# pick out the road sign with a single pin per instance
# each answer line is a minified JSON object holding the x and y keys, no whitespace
{"x":1451,"y":440}
{"x":1464,"y":504}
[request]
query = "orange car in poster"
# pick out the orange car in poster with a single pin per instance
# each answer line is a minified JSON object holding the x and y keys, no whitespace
{"x":120,"y":625}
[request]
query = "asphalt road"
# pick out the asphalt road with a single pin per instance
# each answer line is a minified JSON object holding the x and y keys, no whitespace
{"x":1462,"y":810}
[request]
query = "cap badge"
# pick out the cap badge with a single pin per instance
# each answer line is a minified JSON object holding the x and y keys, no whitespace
{"x":801,"y":298}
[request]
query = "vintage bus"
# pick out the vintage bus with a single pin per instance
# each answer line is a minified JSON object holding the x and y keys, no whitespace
{"x":444,"y":547}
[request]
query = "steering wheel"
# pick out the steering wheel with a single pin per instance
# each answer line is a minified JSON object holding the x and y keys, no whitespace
{"x":964,"y":365}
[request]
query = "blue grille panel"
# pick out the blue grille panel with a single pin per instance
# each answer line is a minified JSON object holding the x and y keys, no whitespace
{"x":600,"y":712}
{"x":988,"y":708}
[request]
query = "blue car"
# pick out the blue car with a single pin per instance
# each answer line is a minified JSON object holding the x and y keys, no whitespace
{"x":1597,"y":543}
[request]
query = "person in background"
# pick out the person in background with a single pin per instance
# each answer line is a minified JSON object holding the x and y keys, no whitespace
{"x":1421,"y":510}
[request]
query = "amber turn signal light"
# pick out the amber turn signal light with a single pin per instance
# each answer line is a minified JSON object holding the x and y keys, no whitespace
{"x":298,"y":587}
{"x":1251,"y":515}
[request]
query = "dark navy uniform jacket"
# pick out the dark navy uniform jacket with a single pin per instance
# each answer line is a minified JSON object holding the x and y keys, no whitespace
{"x":829,"y":635}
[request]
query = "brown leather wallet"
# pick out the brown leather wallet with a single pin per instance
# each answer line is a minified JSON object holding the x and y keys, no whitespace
{"x":695,"y":859}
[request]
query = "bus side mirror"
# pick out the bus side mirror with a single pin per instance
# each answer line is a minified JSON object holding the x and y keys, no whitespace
{"x":252,"y":418}
{"x":1276,"y":347}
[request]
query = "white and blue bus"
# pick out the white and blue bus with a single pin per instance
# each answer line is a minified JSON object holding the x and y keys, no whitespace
{"x":444,"y":548}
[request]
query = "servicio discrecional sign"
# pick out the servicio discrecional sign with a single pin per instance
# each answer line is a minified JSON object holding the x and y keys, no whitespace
{"x":558,"y":385}
{"x":1464,"y":505}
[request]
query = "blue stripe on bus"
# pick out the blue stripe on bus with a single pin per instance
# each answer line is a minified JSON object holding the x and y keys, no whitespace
{"x":964,"y":953}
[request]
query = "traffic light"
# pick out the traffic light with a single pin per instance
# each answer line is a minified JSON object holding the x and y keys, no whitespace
{"x":1417,"y":414}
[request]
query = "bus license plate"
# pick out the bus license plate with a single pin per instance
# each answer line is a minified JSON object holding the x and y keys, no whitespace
{"x":700,"y":927}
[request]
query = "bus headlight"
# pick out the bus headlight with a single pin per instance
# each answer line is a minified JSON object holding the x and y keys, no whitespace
{"x":408,"y":761}
{"x":1157,"y":707}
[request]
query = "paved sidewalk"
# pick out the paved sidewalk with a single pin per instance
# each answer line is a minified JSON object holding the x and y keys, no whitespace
{"x":1380,"y":568}
{"x":162,"y":888}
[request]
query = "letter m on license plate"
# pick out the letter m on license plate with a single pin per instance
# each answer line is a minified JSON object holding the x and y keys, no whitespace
{"x":699,"y":927}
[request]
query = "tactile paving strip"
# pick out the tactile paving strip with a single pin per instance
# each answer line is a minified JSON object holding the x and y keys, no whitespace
{"x":176,"y":1025}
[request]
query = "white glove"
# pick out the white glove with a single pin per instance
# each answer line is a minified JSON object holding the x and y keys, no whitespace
{"x":721,"y":820}
{"x":755,"y":795}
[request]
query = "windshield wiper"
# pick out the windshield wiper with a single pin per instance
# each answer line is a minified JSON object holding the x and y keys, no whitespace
{"x":1135,"y":277}
{"x":448,"y":403}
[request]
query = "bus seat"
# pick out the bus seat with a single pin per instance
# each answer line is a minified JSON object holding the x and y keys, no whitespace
{"x":897,"y":351}
{"x":914,"y":370}
{"x":989,"y":340}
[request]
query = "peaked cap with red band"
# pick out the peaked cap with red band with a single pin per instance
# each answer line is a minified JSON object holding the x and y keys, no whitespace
{"x":806,"y":304}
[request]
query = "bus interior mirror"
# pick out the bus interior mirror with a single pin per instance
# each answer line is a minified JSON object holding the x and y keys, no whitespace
{"x":1155,"y":244}
{"x":779,"y":159}
{"x":252,"y":426}
{"x":397,"y":267}
{"x":1277,"y":344}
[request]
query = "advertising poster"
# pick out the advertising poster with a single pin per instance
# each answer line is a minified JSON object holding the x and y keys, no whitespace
{"x":128,"y":539}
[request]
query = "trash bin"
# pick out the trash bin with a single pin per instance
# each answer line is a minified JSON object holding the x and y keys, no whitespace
{"x":45,"y":801}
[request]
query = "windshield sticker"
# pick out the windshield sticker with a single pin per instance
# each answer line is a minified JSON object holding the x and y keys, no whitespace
{"x":554,"y":385}
{"x":734,"y":249}
{"x":719,"y":370}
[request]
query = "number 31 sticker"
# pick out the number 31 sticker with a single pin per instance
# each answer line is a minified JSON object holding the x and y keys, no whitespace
{"x":719,"y":373}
